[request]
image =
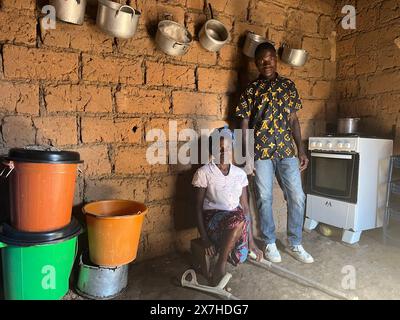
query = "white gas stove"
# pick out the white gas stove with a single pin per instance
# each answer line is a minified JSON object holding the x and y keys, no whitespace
{"x":347,"y":183}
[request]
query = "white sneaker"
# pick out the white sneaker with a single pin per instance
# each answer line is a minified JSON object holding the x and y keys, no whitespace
{"x":300,"y":254}
{"x":271,"y":253}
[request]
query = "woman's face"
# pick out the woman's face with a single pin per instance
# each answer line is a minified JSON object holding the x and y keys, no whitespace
{"x":225,"y":148}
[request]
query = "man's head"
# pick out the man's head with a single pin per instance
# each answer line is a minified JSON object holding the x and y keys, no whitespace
{"x":266,"y":59}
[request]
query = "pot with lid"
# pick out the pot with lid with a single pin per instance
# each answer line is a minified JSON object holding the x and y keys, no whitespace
{"x":117,"y":20}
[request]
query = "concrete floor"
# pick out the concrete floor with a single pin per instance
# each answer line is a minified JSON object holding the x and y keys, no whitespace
{"x":377,"y":273}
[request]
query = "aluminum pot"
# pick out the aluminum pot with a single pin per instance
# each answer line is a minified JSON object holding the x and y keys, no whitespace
{"x":294,"y":57}
{"x":251,"y":43}
{"x":347,"y":125}
{"x":117,"y":20}
{"x":213,"y":35}
{"x":101,"y":283}
{"x":72,"y":11}
{"x":172,"y":38}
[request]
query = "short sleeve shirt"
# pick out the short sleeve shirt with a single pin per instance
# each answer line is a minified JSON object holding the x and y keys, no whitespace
{"x":273,"y":135}
{"x":223,"y":192}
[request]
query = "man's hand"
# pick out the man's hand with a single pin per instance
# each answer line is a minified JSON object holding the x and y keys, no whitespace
{"x":303,"y":161}
{"x":249,"y":168}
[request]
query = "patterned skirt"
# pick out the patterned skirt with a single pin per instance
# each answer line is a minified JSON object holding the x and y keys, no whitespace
{"x":218,"y":221}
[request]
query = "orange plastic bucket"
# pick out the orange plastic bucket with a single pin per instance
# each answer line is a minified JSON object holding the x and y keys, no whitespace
{"x":114,"y":228}
{"x":41,"y":191}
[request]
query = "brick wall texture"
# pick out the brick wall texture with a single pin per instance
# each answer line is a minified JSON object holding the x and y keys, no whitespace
{"x":78,"y":89}
{"x":368,"y":68}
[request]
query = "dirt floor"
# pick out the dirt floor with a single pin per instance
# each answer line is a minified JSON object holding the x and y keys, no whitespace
{"x":375,"y":265}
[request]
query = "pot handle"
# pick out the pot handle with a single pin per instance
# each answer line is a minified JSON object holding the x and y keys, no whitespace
{"x":9,"y":165}
{"x":126,"y":6}
{"x":178,"y":44}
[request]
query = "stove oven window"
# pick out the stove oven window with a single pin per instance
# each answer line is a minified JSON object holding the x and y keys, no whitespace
{"x":333,"y":175}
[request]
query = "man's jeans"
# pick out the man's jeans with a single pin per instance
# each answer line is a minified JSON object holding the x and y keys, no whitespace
{"x":288,"y":172}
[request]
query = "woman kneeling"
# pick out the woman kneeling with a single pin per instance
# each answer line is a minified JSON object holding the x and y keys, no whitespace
{"x":222,"y":210}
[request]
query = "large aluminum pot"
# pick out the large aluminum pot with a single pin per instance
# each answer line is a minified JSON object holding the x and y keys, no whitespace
{"x":117,"y":20}
{"x":172,"y":38}
{"x":101,"y":283}
{"x":251,"y":43}
{"x":213,"y":35}
{"x":347,"y":125}
{"x":72,"y":11}
{"x":294,"y":57}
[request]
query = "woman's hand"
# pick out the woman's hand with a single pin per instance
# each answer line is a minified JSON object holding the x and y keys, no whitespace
{"x":210,"y":249}
{"x":255,"y":250}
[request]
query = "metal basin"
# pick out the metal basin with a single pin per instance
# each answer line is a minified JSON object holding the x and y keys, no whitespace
{"x":101,"y":283}
{"x":213,"y":35}
{"x":251,"y":43}
{"x":294,"y":57}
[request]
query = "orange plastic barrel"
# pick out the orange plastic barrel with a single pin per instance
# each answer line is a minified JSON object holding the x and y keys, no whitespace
{"x":41,"y":188}
{"x":114,"y":228}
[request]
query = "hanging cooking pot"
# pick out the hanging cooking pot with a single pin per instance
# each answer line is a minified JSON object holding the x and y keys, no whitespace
{"x":293,"y":57}
{"x":347,"y":125}
{"x":173,"y":38}
{"x":213,"y":35}
{"x":72,"y":11}
{"x":251,"y":43}
{"x":117,"y":20}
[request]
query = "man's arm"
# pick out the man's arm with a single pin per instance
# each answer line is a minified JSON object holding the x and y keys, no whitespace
{"x":296,"y":131}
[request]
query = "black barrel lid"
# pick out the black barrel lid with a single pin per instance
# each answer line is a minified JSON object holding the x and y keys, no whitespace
{"x":40,"y":156}
{"x":14,"y":237}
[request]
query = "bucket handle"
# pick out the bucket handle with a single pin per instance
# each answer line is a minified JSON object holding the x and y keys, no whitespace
{"x":9,"y":165}
{"x":133,"y":13}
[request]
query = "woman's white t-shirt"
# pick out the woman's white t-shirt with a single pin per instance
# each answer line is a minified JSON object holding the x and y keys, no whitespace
{"x":223,"y":192}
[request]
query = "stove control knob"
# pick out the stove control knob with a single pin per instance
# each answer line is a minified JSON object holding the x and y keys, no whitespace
{"x":329,"y":145}
{"x":347,"y":145}
{"x":340,"y":145}
{"x":313,"y":144}
{"x":319,"y":144}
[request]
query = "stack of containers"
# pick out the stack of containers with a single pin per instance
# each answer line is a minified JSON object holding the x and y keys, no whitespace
{"x":114,"y":228}
{"x":40,"y":245}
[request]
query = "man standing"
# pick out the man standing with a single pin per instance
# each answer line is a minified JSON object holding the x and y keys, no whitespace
{"x":269,"y":106}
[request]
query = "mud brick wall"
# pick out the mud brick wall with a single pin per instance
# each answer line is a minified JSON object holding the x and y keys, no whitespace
{"x":368,"y":74}
{"x":77,"y":89}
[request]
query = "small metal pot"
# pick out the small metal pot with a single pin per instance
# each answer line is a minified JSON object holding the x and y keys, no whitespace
{"x":251,"y":43}
{"x":347,"y":125}
{"x":294,"y":57}
{"x":72,"y":11}
{"x":213,"y":35}
{"x":170,"y":44}
{"x":117,"y":20}
{"x":101,"y":283}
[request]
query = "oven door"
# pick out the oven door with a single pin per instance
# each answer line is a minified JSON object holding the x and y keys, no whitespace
{"x":333,"y":175}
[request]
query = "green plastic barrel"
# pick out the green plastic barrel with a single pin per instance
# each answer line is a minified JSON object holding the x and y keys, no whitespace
{"x":38,"y":272}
